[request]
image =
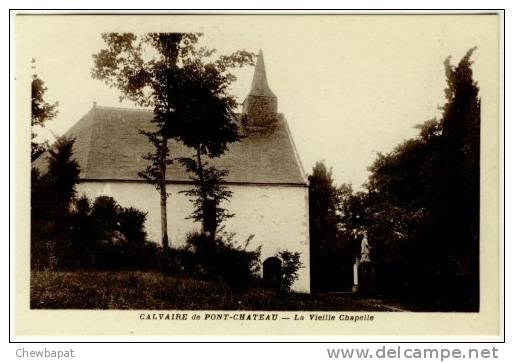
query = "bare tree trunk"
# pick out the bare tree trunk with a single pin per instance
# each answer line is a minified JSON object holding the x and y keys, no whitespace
{"x":164,"y":197}
{"x":200,"y":177}
{"x":164,"y":223}
{"x":209,"y":222}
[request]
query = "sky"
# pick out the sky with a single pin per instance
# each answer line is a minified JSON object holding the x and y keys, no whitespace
{"x":350,"y":86}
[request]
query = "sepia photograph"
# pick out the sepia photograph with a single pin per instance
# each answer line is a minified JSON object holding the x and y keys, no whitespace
{"x":260,"y":168}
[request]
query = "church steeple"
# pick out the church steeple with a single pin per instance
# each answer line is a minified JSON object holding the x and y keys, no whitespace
{"x":260,"y":85}
{"x":260,"y":106}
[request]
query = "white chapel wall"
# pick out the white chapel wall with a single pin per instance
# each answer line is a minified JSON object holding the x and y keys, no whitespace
{"x":276,"y":215}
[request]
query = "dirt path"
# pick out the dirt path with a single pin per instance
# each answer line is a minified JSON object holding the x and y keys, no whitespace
{"x":390,"y":307}
{"x":357,"y":302}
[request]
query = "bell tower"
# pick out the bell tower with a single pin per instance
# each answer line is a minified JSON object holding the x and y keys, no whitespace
{"x":260,"y":106}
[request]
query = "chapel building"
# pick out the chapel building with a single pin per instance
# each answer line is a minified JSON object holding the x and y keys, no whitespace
{"x":270,"y":190}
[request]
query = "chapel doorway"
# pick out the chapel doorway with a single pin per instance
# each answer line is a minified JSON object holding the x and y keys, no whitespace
{"x":272,"y":272}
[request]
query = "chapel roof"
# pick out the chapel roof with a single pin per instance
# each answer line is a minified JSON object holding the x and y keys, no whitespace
{"x":109,"y":147}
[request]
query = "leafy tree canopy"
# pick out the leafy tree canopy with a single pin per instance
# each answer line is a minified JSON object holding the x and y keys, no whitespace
{"x":41,"y":112}
{"x":187,"y":88}
{"x":421,"y":208}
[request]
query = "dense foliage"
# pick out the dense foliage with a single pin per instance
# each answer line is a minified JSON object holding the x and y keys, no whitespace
{"x":209,"y":126}
{"x":423,"y":200}
{"x":291,"y":264}
{"x":332,"y":238}
{"x":51,"y":197}
{"x":70,"y":233}
{"x":41,"y":112}
{"x":222,"y":258}
{"x":420,"y":207}
{"x":75,"y":233}
{"x":207,"y":195}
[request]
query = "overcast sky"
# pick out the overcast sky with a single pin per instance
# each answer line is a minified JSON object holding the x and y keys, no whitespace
{"x":349,"y":86}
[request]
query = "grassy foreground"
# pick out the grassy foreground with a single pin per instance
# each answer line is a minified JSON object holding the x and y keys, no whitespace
{"x":153,"y":290}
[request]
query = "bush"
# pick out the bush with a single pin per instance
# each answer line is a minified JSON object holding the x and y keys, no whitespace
{"x":221,"y":258}
{"x":126,"y":256}
{"x":131,"y":223}
{"x":105,"y":236}
{"x":121,"y":237}
{"x":290,"y":265}
{"x":104,"y":216}
{"x":69,"y":233}
{"x":180,"y":262}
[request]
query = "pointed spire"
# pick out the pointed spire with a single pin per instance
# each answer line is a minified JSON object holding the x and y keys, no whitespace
{"x":260,"y":85}
{"x":260,"y":106}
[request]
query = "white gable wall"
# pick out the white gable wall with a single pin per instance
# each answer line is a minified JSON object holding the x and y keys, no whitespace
{"x":276,"y":214}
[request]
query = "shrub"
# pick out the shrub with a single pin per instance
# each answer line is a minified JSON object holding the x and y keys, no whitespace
{"x":70,"y":233}
{"x":224,"y":258}
{"x":104,"y":215}
{"x":131,"y":223}
{"x":290,"y":265}
{"x":83,"y":238}
{"x":181,"y":261}
{"x":38,"y":219}
{"x":106,"y":236}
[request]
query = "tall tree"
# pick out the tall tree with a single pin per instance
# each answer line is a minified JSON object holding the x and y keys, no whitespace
{"x":209,"y":127}
{"x":460,"y":215}
{"x":148,"y":82}
{"x":53,"y":192}
{"x":422,"y":205}
{"x":52,"y":195}
{"x":41,"y":112}
{"x":154,"y":70}
{"x":63,"y":173}
{"x":324,"y":202}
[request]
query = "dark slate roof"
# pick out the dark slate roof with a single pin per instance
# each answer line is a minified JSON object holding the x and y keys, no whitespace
{"x":108,"y":146}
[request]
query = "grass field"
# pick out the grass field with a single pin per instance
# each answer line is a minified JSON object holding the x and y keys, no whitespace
{"x":153,"y":290}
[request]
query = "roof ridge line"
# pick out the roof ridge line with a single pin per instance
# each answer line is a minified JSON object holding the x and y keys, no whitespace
{"x":122,"y":108}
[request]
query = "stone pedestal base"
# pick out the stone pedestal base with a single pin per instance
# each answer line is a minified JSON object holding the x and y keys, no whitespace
{"x":367,"y":278}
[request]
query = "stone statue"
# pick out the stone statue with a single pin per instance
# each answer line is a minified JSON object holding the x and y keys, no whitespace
{"x":365,"y":250}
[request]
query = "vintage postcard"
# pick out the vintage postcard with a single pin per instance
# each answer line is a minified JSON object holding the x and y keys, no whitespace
{"x":246,"y":174}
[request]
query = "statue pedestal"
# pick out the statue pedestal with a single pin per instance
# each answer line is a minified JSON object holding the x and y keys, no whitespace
{"x":366,"y":277}
{"x":355,"y":285}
